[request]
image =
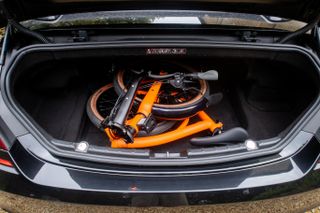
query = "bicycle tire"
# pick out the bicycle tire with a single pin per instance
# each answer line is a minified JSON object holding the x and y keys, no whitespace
{"x":172,"y":111}
{"x":96,"y":118}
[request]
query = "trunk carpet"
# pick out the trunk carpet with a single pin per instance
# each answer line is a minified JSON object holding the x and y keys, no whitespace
{"x":63,"y":115}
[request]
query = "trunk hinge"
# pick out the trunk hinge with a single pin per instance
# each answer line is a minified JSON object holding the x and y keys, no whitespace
{"x":316,"y":35}
{"x":6,"y":36}
{"x":300,"y":31}
{"x":4,"y":49}
{"x":16,"y":25}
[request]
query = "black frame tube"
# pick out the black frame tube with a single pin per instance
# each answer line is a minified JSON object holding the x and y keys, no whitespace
{"x":120,"y":116}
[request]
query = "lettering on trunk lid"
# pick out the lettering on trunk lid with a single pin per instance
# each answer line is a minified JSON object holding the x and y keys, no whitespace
{"x":166,"y":51}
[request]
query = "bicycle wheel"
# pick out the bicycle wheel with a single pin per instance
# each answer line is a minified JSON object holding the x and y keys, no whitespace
{"x":101,"y":103}
{"x":172,"y":103}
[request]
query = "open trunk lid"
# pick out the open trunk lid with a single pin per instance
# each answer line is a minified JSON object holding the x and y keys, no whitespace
{"x":303,"y":10}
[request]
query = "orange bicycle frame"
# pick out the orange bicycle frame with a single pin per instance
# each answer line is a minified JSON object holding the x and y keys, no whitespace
{"x":183,"y":130}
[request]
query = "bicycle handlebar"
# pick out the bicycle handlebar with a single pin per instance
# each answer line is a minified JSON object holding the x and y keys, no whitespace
{"x":210,"y":75}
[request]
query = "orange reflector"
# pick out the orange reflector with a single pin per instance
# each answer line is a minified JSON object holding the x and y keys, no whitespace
{"x":5,"y":162}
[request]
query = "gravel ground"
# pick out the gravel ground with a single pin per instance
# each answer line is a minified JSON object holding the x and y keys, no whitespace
{"x":295,"y":203}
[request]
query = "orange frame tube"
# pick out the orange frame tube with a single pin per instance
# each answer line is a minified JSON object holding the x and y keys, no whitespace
{"x":184,"y":130}
{"x":144,"y":110}
{"x":145,"y":107}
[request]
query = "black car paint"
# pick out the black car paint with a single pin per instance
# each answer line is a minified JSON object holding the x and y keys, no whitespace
{"x":42,"y":174}
{"x":51,"y":181}
{"x":138,"y":48}
{"x":155,"y":181}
